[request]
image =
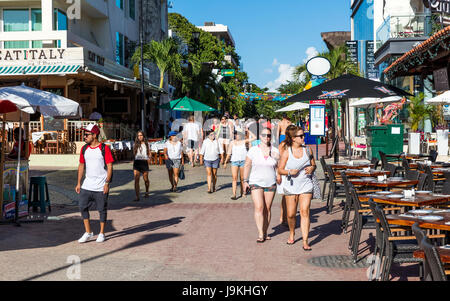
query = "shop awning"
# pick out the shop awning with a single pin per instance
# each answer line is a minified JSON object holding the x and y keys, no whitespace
{"x":39,"y":70}
{"x":126,"y":81}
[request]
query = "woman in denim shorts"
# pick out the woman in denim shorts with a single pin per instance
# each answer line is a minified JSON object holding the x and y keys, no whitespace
{"x":173,"y":153}
{"x":238,"y":154}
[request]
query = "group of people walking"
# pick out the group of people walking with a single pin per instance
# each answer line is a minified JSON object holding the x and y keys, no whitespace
{"x":261,"y":168}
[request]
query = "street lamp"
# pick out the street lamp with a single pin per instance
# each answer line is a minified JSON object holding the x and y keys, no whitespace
{"x":196,"y":39}
{"x":141,"y":41}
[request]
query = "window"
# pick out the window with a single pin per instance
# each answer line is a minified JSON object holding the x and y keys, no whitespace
{"x":59,"y":20}
{"x":36,"y":19}
{"x":15,"y":20}
{"x":132,"y":4}
{"x":119,"y":48}
{"x":119,"y":4}
{"x":16,"y":44}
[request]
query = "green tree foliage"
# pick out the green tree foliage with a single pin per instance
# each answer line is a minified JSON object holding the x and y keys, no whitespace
{"x":419,"y":112}
{"x":164,"y":54}
{"x":204,"y":55}
{"x":291,"y":87}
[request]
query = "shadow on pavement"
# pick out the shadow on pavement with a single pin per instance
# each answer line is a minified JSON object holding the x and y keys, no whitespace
{"x":147,"y":239}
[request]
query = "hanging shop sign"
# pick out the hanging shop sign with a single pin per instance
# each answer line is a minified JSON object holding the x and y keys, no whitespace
{"x":440,"y":77}
{"x":317,"y":120}
{"x":352,"y":47}
{"x":371,"y":71}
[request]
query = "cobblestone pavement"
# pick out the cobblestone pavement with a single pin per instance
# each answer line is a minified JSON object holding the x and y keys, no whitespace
{"x":189,"y":235}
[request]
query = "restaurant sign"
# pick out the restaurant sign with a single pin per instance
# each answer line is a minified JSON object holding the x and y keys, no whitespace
{"x":41,"y":56}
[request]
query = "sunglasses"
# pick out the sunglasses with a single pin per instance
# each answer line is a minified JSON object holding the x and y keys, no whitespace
{"x":85,"y":135}
{"x":266,"y":135}
{"x":300,"y":136}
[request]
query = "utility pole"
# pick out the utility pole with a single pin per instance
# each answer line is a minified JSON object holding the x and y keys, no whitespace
{"x":141,"y":41}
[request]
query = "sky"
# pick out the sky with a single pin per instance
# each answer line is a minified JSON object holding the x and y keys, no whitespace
{"x":271,"y":36}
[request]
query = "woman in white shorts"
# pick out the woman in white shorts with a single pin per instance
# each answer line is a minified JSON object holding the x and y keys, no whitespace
{"x":262,"y":160}
{"x":173,"y":155}
{"x":238,"y":154}
{"x":298,"y":168}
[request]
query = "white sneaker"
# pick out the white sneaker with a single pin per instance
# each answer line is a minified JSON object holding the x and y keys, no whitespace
{"x":101,"y":237}
{"x":86,"y":236}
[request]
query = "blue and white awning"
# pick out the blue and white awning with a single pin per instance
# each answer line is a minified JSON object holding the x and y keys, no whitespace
{"x":38,"y":70}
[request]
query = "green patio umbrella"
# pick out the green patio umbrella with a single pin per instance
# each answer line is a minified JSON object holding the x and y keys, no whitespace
{"x":186,"y":104}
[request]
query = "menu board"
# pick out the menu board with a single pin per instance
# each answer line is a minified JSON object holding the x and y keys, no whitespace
{"x":352,"y":51}
{"x":52,"y":124}
{"x":317,"y":120}
{"x":371,"y":70}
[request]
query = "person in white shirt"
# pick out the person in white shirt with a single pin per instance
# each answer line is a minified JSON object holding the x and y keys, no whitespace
{"x":237,"y":154}
{"x":141,"y":151}
{"x":173,"y":155}
{"x":262,"y":160}
{"x":192,"y":134}
{"x":211,"y":154}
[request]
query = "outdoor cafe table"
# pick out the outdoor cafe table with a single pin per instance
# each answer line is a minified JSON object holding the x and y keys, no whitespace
{"x":419,"y":200}
{"x":361,"y":173}
{"x":406,"y":220}
{"x":348,"y":166}
{"x":443,"y":253}
{"x":383,"y":184}
{"x":408,"y":156}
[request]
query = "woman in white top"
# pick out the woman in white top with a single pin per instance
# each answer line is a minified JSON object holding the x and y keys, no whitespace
{"x":262,"y":160}
{"x":211,"y":154}
{"x":298,"y":166}
{"x":173,"y":154}
{"x":141,"y":151}
{"x":238,"y":154}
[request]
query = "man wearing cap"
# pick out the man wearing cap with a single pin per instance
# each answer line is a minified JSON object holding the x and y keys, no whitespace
{"x":96,"y":157}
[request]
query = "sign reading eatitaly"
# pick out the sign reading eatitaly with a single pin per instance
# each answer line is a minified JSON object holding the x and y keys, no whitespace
{"x":40,"y":56}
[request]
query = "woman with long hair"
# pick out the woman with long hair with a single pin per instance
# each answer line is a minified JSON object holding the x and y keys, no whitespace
{"x":211,"y":154}
{"x":224,"y":133}
{"x":173,"y":153}
{"x":238,"y":154}
{"x":298,"y":165}
{"x":260,"y":177}
{"x":141,"y":152}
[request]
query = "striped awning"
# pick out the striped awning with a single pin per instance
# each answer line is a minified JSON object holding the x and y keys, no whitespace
{"x":37,"y":70}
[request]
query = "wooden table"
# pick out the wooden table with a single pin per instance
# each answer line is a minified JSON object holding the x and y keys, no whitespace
{"x":433,"y":165}
{"x":384,"y":184}
{"x":443,"y":253}
{"x":348,"y":166}
{"x":416,"y":201}
{"x":360,"y":173}
{"x":408,"y":156}
{"x":403,"y":220}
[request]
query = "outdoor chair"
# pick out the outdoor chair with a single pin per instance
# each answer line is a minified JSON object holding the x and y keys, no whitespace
{"x":420,"y":234}
{"x":383,"y":159}
{"x":412,"y":175}
{"x":405,"y":165}
{"x":336,"y":188}
{"x":395,"y":249}
{"x":375,"y":162}
{"x":433,"y":155}
{"x":433,"y":261}
{"x":325,"y":171}
{"x":392,"y":169}
{"x":359,"y":146}
{"x":361,"y":220}
{"x":423,"y":181}
{"x":446,"y":187}
{"x":348,"y":202}
{"x":431,"y":185}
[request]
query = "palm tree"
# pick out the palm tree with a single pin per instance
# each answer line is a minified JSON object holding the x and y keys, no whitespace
{"x":164,"y":54}
{"x":419,"y":112}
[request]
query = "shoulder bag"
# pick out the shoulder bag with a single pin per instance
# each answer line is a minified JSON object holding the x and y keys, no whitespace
{"x":317,"y":194}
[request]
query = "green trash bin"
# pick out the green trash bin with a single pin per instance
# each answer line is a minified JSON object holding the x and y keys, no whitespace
{"x":386,"y":138}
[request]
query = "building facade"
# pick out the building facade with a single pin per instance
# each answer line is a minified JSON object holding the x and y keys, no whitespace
{"x":82,"y":50}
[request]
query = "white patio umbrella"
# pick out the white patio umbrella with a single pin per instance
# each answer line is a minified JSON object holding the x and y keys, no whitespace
{"x":296,"y":106}
{"x":443,"y":98}
{"x":30,"y":100}
{"x":369,"y":101}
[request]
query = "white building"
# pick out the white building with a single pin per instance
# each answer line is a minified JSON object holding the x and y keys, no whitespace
{"x":223,"y":33}
{"x":81,"y":50}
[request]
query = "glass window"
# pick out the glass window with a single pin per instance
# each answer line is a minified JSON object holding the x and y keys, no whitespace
{"x":36,"y":19}
{"x":36,"y":44}
{"x":15,"y":20}
{"x":119,"y":48}
{"x":16,"y":44}
{"x":119,"y":4}
{"x":132,"y":9}
{"x":59,"y":20}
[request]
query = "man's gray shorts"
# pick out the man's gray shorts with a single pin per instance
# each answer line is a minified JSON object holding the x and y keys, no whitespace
{"x":88,"y":199}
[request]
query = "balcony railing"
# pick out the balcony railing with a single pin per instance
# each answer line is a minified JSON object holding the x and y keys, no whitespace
{"x":393,"y":27}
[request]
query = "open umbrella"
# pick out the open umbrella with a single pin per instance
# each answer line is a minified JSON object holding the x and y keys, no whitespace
{"x":30,"y":100}
{"x":186,"y":104}
{"x":443,"y":98}
{"x":369,"y":101}
{"x":348,"y":86}
{"x":294,"y":107}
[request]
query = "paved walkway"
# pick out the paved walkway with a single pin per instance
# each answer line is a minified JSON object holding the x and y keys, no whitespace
{"x":189,"y":235}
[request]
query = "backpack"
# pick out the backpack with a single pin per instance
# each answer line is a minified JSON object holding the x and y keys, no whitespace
{"x":102,"y":148}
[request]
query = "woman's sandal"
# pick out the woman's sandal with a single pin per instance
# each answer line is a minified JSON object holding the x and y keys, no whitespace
{"x":305,"y":249}
{"x":290,"y":242}
{"x":260,"y":240}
